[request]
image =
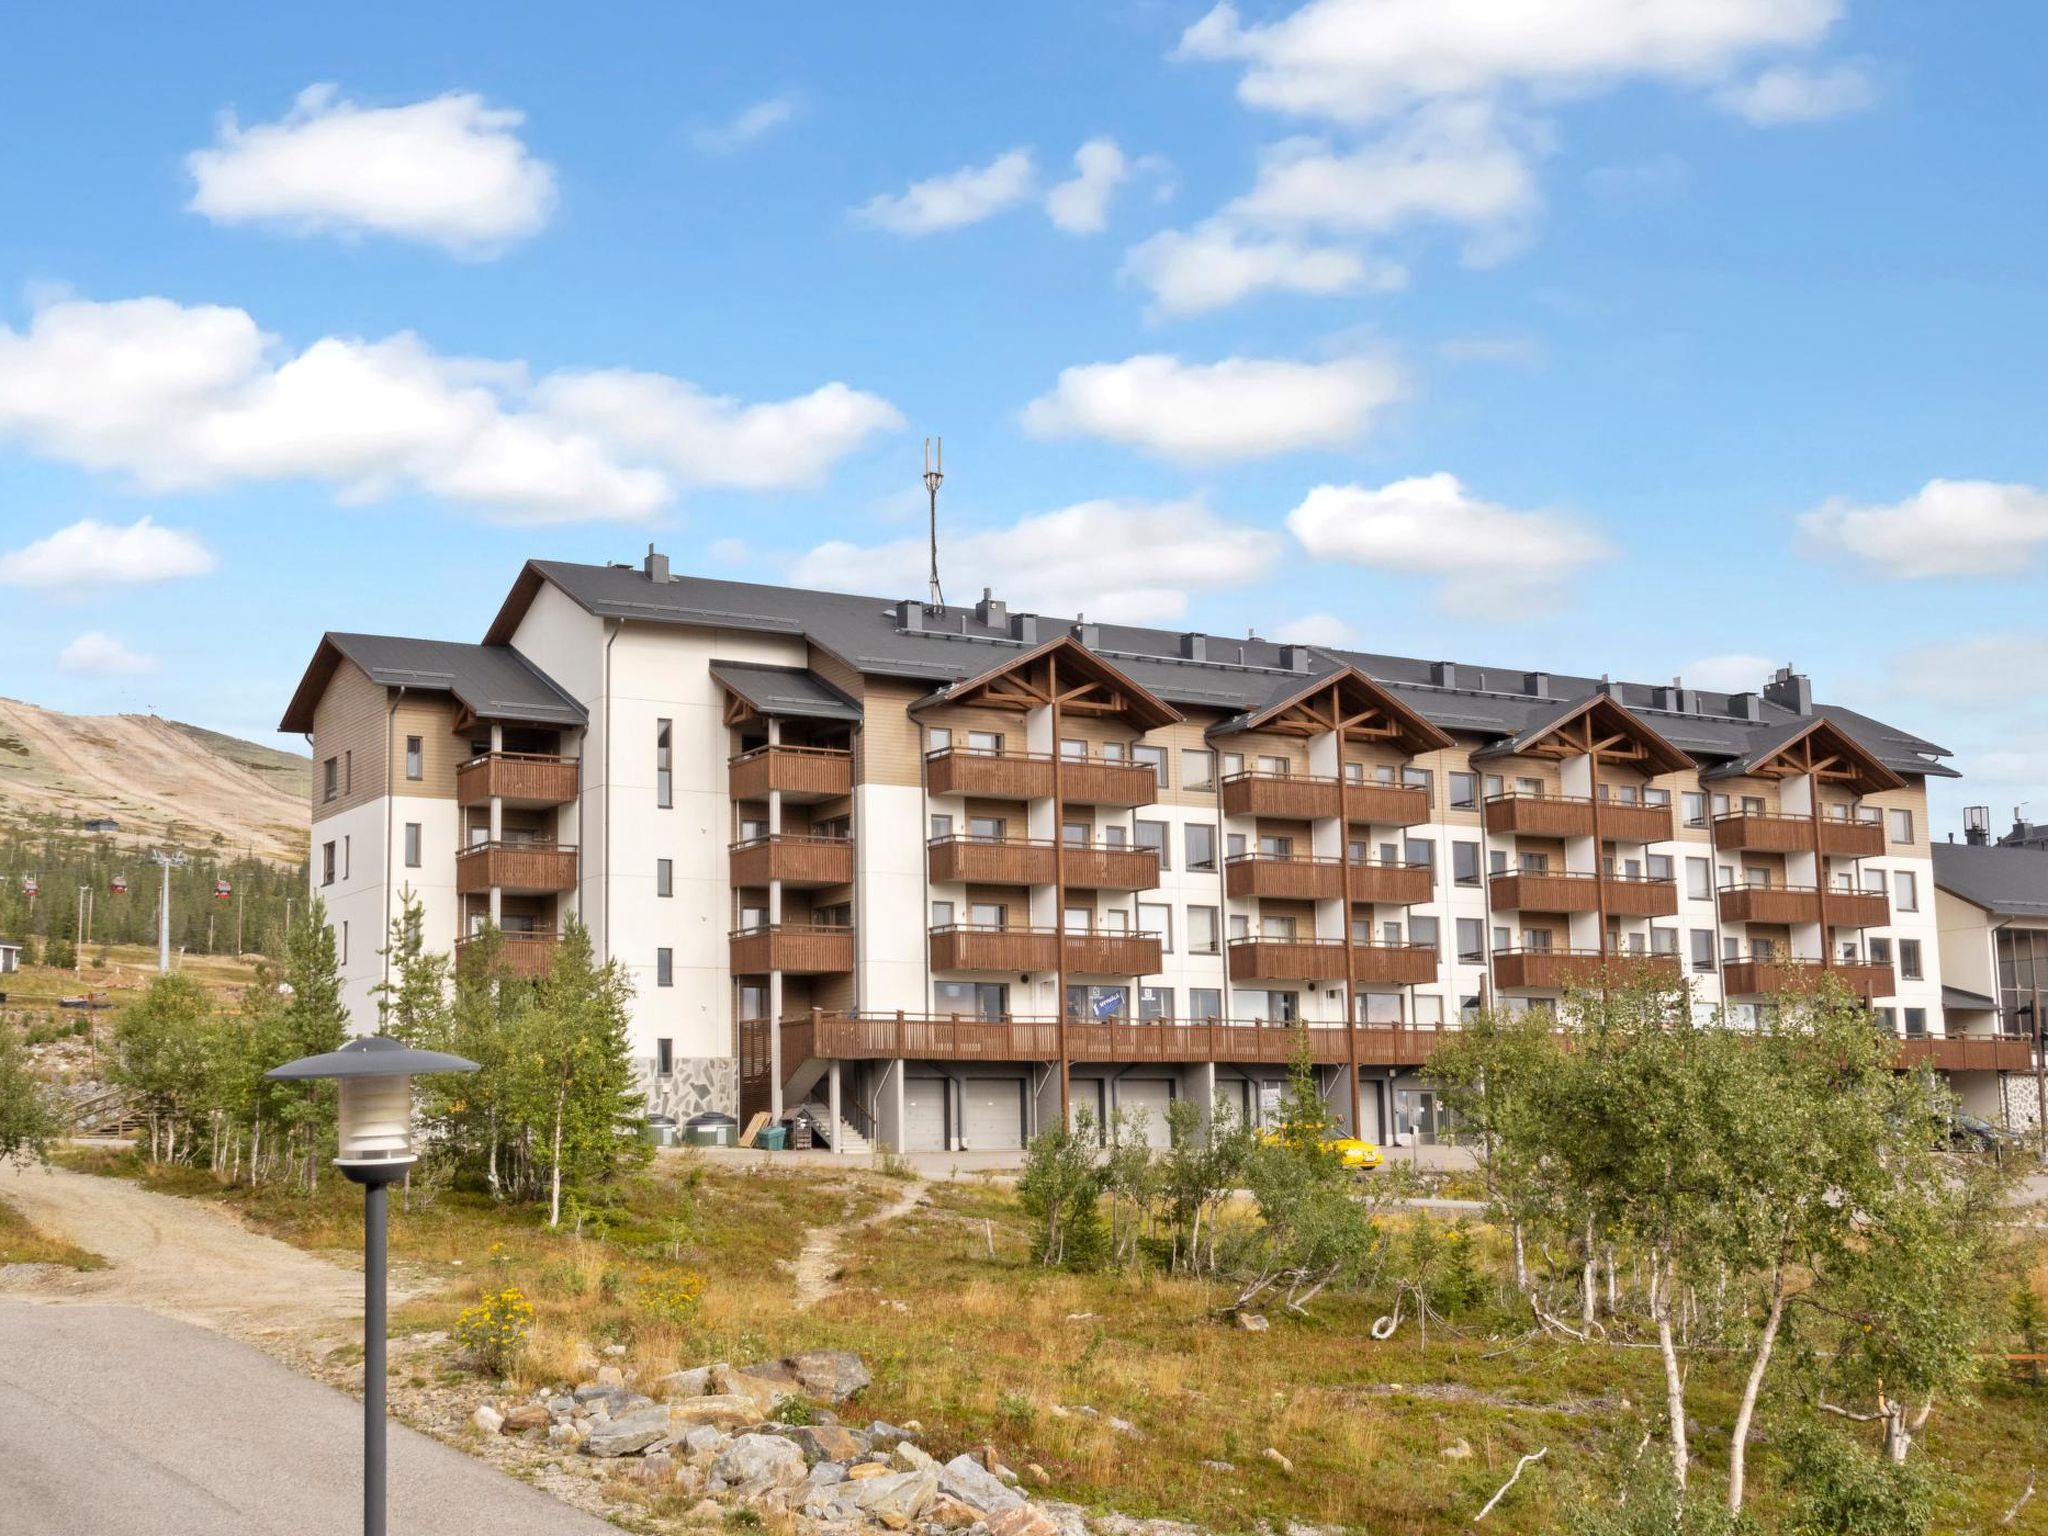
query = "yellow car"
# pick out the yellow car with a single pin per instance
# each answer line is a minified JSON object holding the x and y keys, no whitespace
{"x":1361,"y":1156}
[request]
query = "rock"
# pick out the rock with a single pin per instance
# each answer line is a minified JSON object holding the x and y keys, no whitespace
{"x":1277,"y":1459}
{"x":686,"y":1383}
{"x":628,"y":1433}
{"x":969,"y":1481}
{"x":1457,"y":1450}
{"x":897,"y":1499}
{"x":706,"y":1509}
{"x":561,"y":1404}
{"x":862,"y":1470}
{"x":703,"y":1438}
{"x":1125,"y":1427}
{"x":1024,"y":1520}
{"x":611,"y":1375}
{"x":1252,"y":1322}
{"x":600,"y":1392}
{"x":826,"y":1474}
{"x":616,"y":1351}
{"x":657,"y":1467}
{"x":488,"y":1419}
{"x":883,"y":1437}
{"x":833,"y":1374}
{"x":567,"y":1435}
{"x":948,"y":1511}
{"x":912,"y":1458}
{"x":527,"y":1416}
{"x":760,"y":1461}
{"x":1219,"y":1466}
{"x":829,"y":1442}
{"x":764,"y":1392}
{"x":727,"y":1411}
{"x":1036,"y":1473}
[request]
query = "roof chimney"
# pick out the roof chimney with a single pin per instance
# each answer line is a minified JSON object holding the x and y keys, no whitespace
{"x":1444,"y":674}
{"x":656,"y":566}
{"x":1536,"y":684}
{"x":1790,"y":690}
{"x":1024,"y":627}
{"x":1194,"y":647}
{"x":1089,"y":635}
{"x":1977,"y":825}
{"x":992,"y":613}
{"x":1294,"y":658}
{"x":1746,"y":706}
{"x":910,"y":616}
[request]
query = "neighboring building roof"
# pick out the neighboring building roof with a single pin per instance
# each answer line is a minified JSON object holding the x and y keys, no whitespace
{"x":879,"y":637}
{"x":492,"y":682}
{"x":1965,"y":1001}
{"x":2006,"y":882}
{"x":785,"y":693}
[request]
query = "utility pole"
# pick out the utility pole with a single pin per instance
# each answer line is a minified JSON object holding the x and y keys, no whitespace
{"x":238,"y":920}
{"x":78,"y":940}
{"x":934,"y":476}
{"x":166,"y":862}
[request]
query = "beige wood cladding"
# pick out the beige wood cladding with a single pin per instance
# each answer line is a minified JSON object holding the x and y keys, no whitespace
{"x":515,"y":777}
{"x":1801,"y":904}
{"x":443,"y":749}
{"x":798,"y":948}
{"x":1018,"y":863}
{"x":515,"y":867}
{"x":794,"y":860}
{"x":812,"y":773}
{"x":1755,"y":832}
{"x":1112,"y":954}
{"x":1113,"y":869}
{"x":1553,"y":970}
{"x":1759,"y":978}
{"x":349,"y":725}
{"x":889,"y":744}
{"x":836,"y":672}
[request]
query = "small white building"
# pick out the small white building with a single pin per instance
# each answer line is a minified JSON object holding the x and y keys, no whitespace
{"x":10,"y":958}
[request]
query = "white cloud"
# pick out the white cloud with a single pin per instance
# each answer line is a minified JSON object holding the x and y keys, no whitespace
{"x":1790,"y":94}
{"x":182,"y":397}
{"x":959,"y":198}
{"x":1316,"y":629}
{"x":1734,"y":672}
{"x":1946,"y":528}
{"x":1984,"y":672}
{"x":1216,"y":264}
{"x":450,"y":171}
{"x":1357,"y":60}
{"x":90,"y":553}
{"x":1492,"y":561}
{"x":747,"y":125}
{"x":1081,"y":206}
{"x":94,"y":654}
{"x":1240,"y":408}
{"x":1128,"y":561}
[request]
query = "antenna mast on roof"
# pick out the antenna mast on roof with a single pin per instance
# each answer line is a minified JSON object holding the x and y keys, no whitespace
{"x":934,"y":477}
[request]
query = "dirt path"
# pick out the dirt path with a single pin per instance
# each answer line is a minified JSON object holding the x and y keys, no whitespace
{"x":817,"y":1265}
{"x":183,"y":1258}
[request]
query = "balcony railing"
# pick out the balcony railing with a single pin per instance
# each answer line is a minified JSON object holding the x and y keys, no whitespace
{"x":525,"y":952}
{"x":1767,"y":976}
{"x":798,"y":949}
{"x":1539,"y":815}
{"x":1400,"y":885}
{"x":1788,"y":904}
{"x":1109,"y":953}
{"x":1773,"y":832}
{"x":986,"y":947}
{"x":1110,"y":867}
{"x":794,"y":859}
{"x":1280,"y":796}
{"x":1552,"y":970}
{"x":989,"y":775}
{"x":1097,"y":781}
{"x":517,"y":778}
{"x":1292,"y":877}
{"x":1577,"y":891}
{"x":515,"y":866}
{"x":1968,"y":1053}
{"x":1258,"y":958}
{"x":989,"y":861}
{"x":1393,"y":805}
{"x":800,"y":774}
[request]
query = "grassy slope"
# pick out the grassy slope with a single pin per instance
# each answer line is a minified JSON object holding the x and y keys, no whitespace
{"x":292,"y":772}
{"x":21,"y":1243}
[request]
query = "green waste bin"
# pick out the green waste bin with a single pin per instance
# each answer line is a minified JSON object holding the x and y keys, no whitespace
{"x":711,"y":1130}
{"x":772,"y":1138}
{"x":660,"y":1131}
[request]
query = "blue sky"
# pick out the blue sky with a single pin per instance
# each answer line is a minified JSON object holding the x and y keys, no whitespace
{"x":1666,"y":337}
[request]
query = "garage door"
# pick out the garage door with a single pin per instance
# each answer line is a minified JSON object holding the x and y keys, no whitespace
{"x":1147,"y":1097}
{"x":992,"y":1114}
{"x":924,"y":1114}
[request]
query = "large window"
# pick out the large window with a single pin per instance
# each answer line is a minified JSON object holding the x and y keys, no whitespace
{"x":664,"y":778}
{"x":1464,"y":791}
{"x":985,"y":741}
{"x":1471,"y":940}
{"x":988,"y":1001}
{"x":1152,"y":834}
{"x":1105,"y":1003}
{"x":1205,"y":1004}
{"x":1909,"y":959}
{"x":1905,"y":890}
{"x":1197,"y":768}
{"x":1422,"y":930}
{"x":1202,"y":931}
{"x":1157,"y":918}
{"x":1703,"y":949}
{"x":1201,"y":838}
{"x":1153,"y":758}
{"x":1465,"y":863}
{"x":1692,"y":805}
{"x":1155,"y":1003}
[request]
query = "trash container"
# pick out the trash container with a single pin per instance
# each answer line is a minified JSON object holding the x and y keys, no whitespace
{"x":772,"y":1138}
{"x":802,"y":1134}
{"x":711,"y":1130}
{"x":660,"y":1130}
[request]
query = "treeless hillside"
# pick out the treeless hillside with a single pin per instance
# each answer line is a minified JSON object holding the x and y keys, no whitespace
{"x":148,"y":773}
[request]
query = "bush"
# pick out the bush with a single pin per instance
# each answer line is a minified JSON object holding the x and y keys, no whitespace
{"x":1061,"y":1187}
{"x":1841,"y":1489}
{"x":674,"y":1298}
{"x":496,"y":1329}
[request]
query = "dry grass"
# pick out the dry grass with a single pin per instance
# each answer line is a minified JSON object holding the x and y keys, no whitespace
{"x":21,"y":1243}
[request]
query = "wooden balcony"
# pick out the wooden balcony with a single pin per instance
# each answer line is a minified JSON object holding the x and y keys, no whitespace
{"x":1787,"y":973}
{"x":1539,"y":815}
{"x":800,"y":774}
{"x":1391,"y":805}
{"x":1100,"y":867}
{"x":1282,"y":878}
{"x":989,"y":775}
{"x":1264,"y":959}
{"x":1621,"y":822}
{"x":797,"y":861}
{"x":1968,"y":1053}
{"x":1516,"y":891}
{"x":1381,"y":965}
{"x":515,"y":867}
{"x":796,"y":949}
{"x":989,"y":861}
{"x":1639,"y":896}
{"x":1552,"y":970}
{"x":1113,"y":954}
{"x":517,"y":778}
{"x":1092,"y":781}
{"x":1400,"y":885}
{"x":1771,"y":832}
{"x":966,"y":947}
{"x":1280,"y":796}
{"x":527,"y":953}
{"x":1788,"y":904}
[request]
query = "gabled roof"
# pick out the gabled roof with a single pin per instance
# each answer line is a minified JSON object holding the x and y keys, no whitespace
{"x":1358,"y":698}
{"x":1965,"y":1001}
{"x":2004,"y":881}
{"x":491,"y":682}
{"x":1794,"y":746}
{"x":784,"y":693}
{"x":1124,"y":697}
{"x":1604,"y":721}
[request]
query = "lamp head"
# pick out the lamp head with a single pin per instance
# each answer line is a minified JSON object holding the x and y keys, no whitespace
{"x":374,"y":1120}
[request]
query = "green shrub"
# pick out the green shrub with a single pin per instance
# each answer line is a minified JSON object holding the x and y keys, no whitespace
{"x":496,"y":1329}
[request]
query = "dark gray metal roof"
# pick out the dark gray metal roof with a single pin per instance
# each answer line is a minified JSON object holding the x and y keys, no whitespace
{"x":2006,"y":882}
{"x":493,"y":682}
{"x":1964,"y":1000}
{"x":788,"y":693}
{"x":1234,"y":675}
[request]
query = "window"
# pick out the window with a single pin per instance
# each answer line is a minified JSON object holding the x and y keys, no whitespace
{"x":1153,"y":758}
{"x":1663,"y":941}
{"x":1909,"y":959}
{"x":753,"y":1001}
{"x":1197,"y":768}
{"x":1273,"y":925}
{"x":1873,"y":880}
{"x":1887,"y":1020}
{"x":664,"y":1058}
{"x":1112,"y":751}
{"x":1536,"y":940}
{"x":412,"y":845}
{"x":1421,"y":851}
{"x":664,"y":778}
{"x":1240,"y":926}
{"x":1429,"y":1009}
{"x":1233,"y":845}
{"x":1731,"y":948}
{"x":941,"y":825}
{"x":1495,"y":785}
{"x":1693,"y":806}
{"x":1205,"y":1004}
{"x":1464,"y":791}
{"x":1752,"y":805}
{"x":1422,"y":930}
{"x":1471,"y":939}
{"x":942,"y":914}
{"x":1902,"y":826}
{"x":1282,"y":1007}
{"x":1720,"y":805}
{"x":1084,"y":1002}
{"x":1916,"y":1023}
{"x":1075,"y":833}
{"x":1157,"y":918}
{"x":330,"y":778}
{"x":1657,"y":866}
{"x":1233,"y":763}
{"x":1655,"y":796}
{"x":1390,"y":932}
{"x":1703,"y":949}
{"x":1202,"y":931}
{"x":1274,"y":767}
{"x":988,"y":1001}
{"x":1354,"y":773}
{"x":1465,"y":863}
{"x":347,"y":849}
{"x":985,"y":741}
{"x":987,"y":829}
{"x":938,"y":739}
{"x":1152,"y":834}
{"x":1201,"y":843}
{"x":1906,"y":890}
{"x":1379,"y":1008}
{"x":1074,"y":751}
{"x":987,"y":914}
{"x":1530,"y":787}
{"x":1880,"y":950}
{"x":1275,"y":845}
{"x":1080,"y":919}
{"x":1496,"y":861}
{"x":664,"y":877}
{"x":1155,"y":1003}
{"x":664,"y":967}
{"x":415,"y":757}
{"x":1422,"y":779}
{"x":341,"y":949}
{"x":1383,"y":773}
{"x":1115,"y":837}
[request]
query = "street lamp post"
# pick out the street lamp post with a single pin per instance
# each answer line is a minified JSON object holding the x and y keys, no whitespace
{"x":374,"y":1130}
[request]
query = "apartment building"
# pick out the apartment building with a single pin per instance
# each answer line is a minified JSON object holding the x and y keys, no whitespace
{"x":1991,"y":912}
{"x":944,"y":869}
